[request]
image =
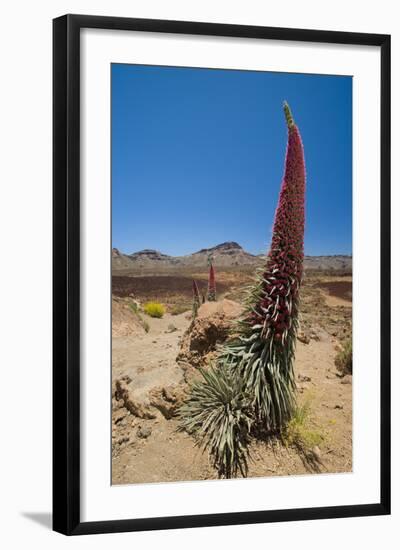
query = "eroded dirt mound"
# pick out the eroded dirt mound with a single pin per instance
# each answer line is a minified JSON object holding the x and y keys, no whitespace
{"x":211,"y":327}
{"x":125,"y":321}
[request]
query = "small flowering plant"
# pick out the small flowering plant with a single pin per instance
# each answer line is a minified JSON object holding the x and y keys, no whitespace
{"x":212,"y":288}
{"x":196,"y":299}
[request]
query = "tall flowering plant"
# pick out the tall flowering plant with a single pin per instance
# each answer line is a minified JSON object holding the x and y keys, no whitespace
{"x":258,"y":363}
{"x":277,"y":307}
{"x":269,"y":328}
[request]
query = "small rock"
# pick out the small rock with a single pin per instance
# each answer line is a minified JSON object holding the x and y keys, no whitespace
{"x":144,"y":432}
{"x":340,"y":407}
{"x":319,"y":334}
{"x":316,"y":451}
{"x":171,"y":328}
{"x":303,"y":378}
{"x":303,"y":337}
{"x":119,"y":415}
{"x":346,"y":379}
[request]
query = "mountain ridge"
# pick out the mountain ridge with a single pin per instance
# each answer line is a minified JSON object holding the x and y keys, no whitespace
{"x":226,"y":254}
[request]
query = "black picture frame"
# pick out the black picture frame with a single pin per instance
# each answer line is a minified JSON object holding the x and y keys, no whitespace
{"x":66,"y":273}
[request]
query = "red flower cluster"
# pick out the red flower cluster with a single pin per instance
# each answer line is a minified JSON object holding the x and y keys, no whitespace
{"x":282,"y":277}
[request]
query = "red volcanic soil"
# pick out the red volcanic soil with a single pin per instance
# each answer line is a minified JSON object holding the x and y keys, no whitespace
{"x":157,"y":285}
{"x":339,"y":289}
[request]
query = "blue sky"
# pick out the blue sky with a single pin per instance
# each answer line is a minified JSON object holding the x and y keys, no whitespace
{"x":198,"y":157}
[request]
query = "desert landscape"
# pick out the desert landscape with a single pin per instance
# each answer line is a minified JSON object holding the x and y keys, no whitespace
{"x":155,"y":360}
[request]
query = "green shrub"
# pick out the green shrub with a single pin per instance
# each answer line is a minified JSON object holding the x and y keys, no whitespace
{"x":154,"y":309}
{"x":344,"y":358}
{"x":298,"y":432}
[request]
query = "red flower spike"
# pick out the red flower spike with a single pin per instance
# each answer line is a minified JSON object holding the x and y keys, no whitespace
{"x":284,"y":267}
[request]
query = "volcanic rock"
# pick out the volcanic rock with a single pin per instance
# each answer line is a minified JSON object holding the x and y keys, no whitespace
{"x":211,"y":327}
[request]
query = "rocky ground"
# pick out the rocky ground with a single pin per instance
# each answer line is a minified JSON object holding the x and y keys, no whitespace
{"x":154,"y":360}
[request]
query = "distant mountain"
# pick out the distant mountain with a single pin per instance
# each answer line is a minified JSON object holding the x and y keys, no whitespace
{"x":229,"y":254}
{"x":337,"y":262}
{"x":224,"y":255}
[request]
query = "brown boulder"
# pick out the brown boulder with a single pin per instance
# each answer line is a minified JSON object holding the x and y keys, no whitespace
{"x":211,"y":327}
{"x":167,"y":400}
{"x":124,"y":393}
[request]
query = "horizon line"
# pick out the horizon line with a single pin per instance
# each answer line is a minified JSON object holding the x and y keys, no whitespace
{"x":215,"y":246}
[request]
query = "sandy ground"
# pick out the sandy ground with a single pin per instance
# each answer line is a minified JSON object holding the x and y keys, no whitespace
{"x":149,"y":358}
{"x":163,"y":454}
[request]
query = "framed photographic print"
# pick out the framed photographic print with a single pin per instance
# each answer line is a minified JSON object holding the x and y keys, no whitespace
{"x":221,"y":274}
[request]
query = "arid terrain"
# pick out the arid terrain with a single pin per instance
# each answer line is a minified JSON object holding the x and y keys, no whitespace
{"x":153,"y":360}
